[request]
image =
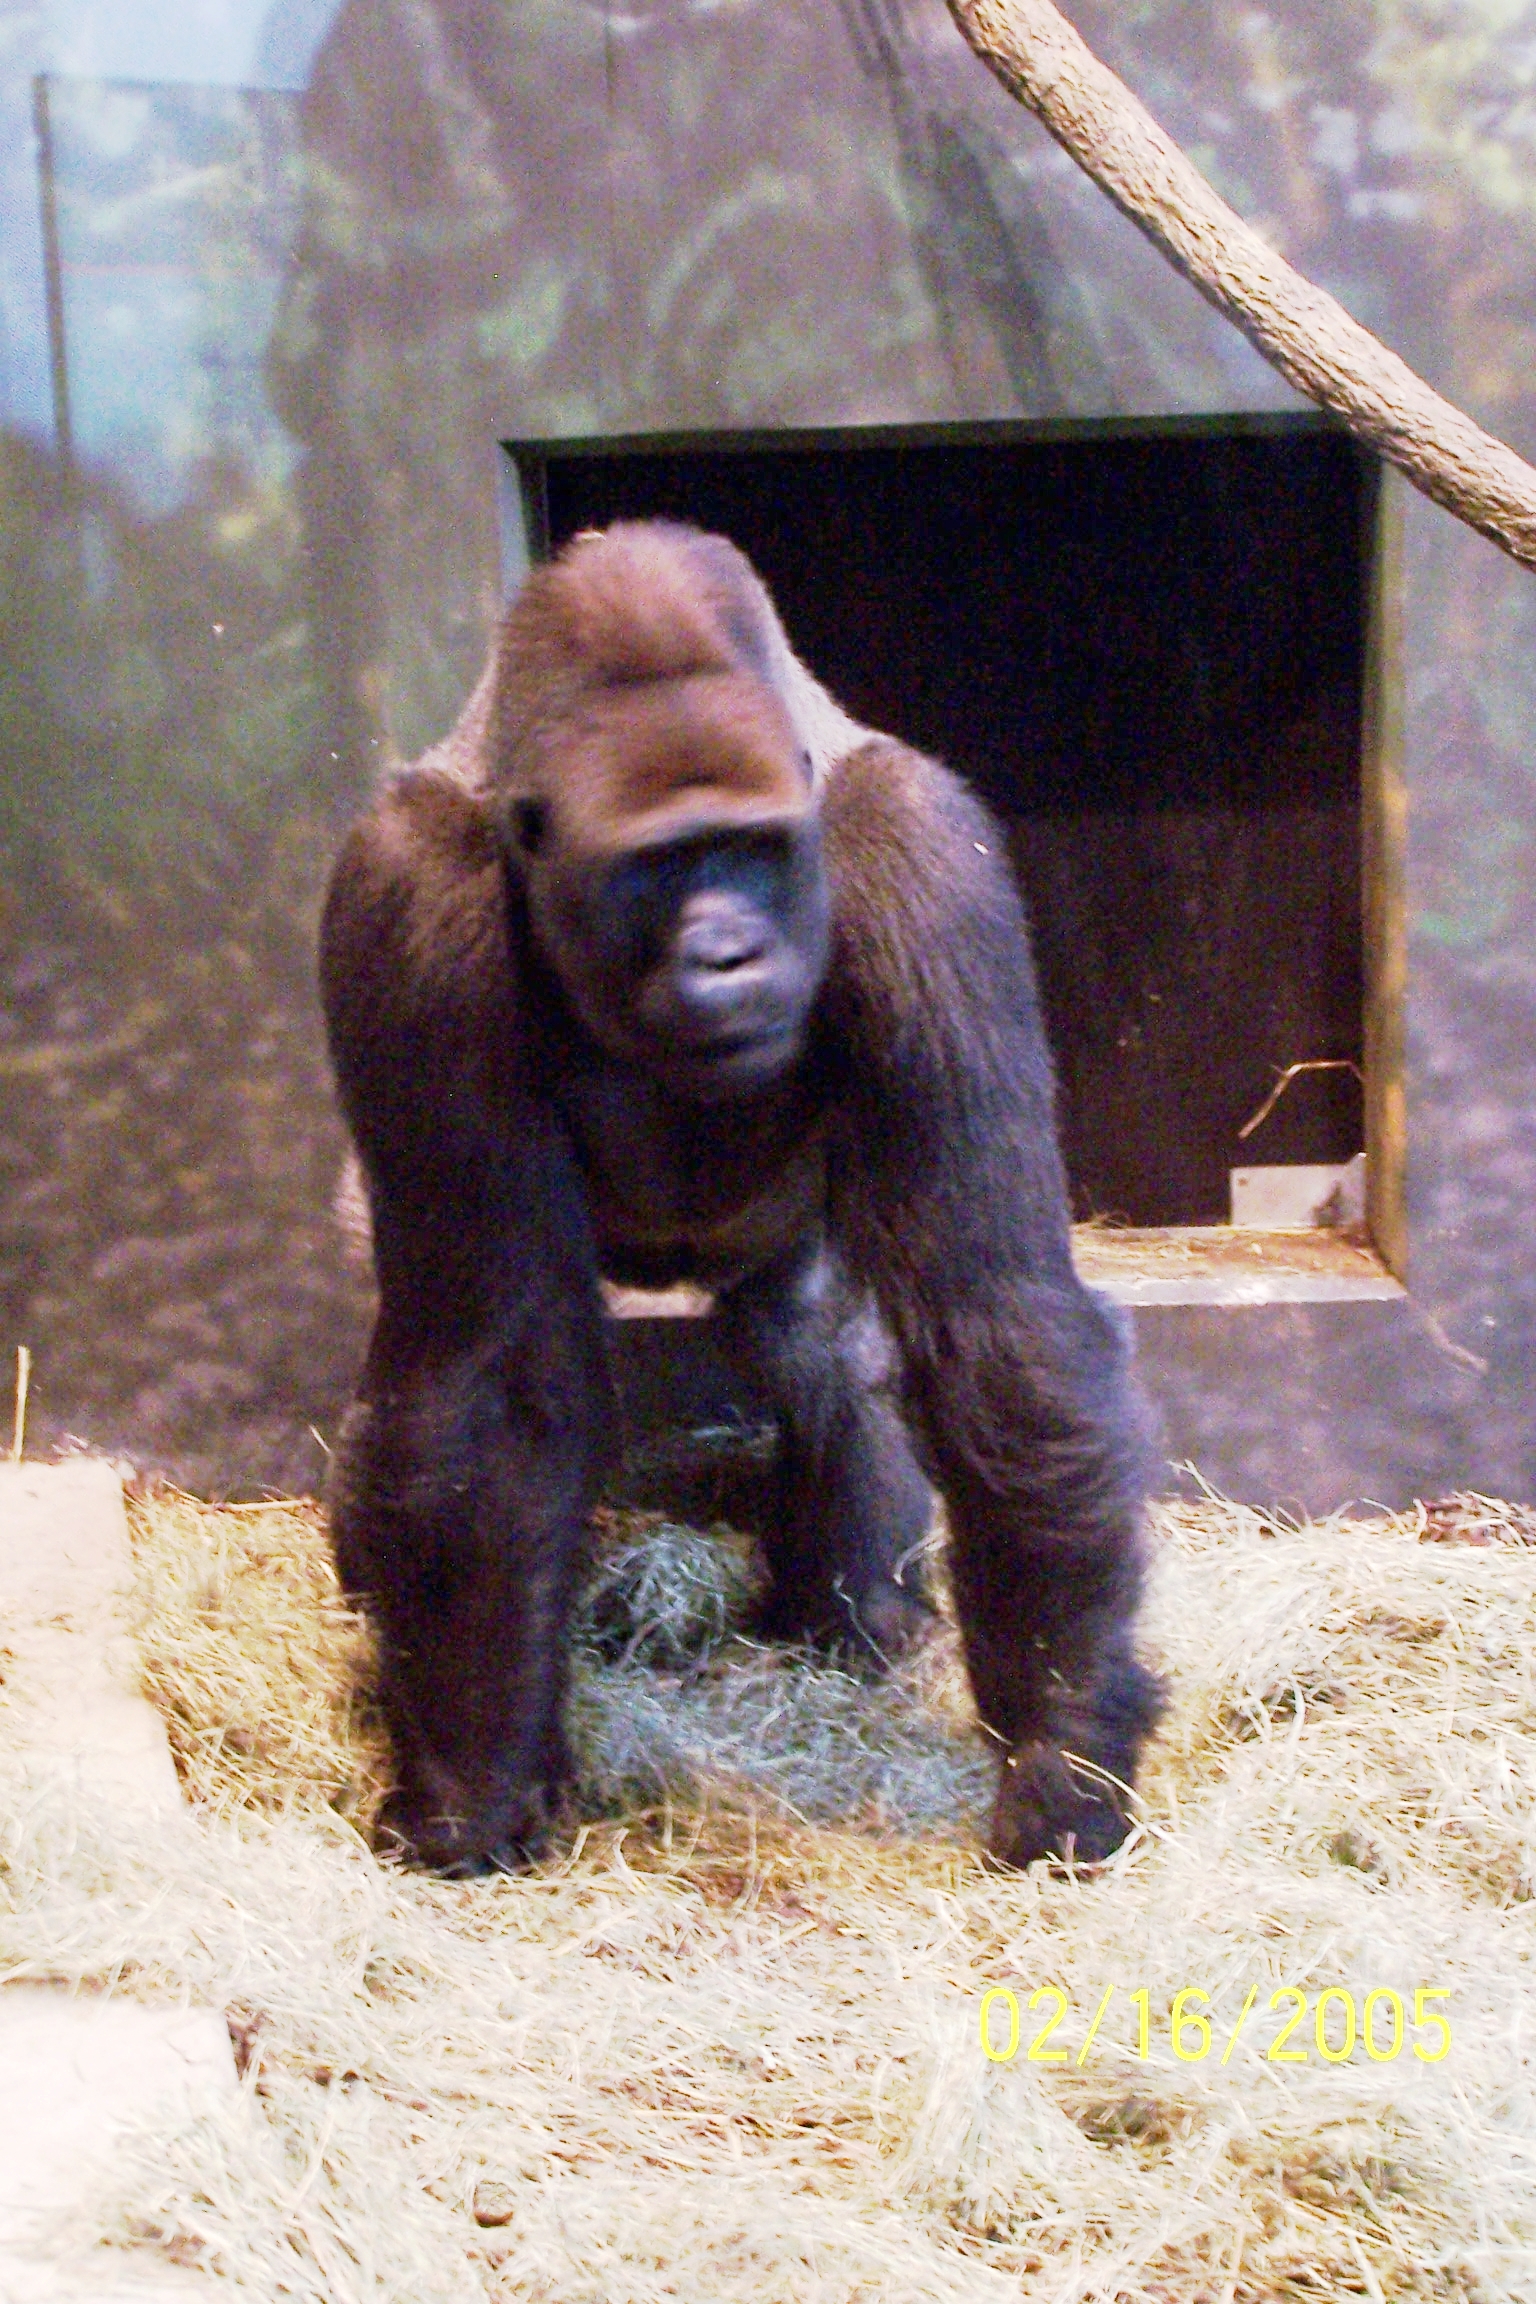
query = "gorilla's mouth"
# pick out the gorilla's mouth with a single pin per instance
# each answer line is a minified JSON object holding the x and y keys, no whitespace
{"x":735,"y":1059}
{"x":759,"y":1045}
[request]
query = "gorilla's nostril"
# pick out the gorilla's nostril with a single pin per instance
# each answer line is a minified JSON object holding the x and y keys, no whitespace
{"x":725,"y":956}
{"x":718,"y":932}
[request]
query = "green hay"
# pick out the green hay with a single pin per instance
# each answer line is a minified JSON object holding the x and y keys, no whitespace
{"x":726,"y":2044}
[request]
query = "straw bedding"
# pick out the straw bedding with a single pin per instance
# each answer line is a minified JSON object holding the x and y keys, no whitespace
{"x":726,"y":2043}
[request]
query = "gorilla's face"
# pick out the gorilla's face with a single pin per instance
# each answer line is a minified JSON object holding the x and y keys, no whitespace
{"x":696,"y":958}
{"x":687,"y":914}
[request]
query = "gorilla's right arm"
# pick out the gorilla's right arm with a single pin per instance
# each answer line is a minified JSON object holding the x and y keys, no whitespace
{"x":466,"y":1465}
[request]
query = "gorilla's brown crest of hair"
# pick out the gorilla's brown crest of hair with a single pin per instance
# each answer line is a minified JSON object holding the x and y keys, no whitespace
{"x":624,"y":605}
{"x":692,"y":979}
{"x":635,"y":670}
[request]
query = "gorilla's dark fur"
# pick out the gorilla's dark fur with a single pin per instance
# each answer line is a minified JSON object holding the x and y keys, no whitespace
{"x":662,"y":969}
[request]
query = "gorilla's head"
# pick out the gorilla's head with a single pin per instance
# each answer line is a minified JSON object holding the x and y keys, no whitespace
{"x":661,"y":807}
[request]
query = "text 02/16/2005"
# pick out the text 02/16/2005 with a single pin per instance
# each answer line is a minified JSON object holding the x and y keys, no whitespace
{"x":1378,"y":2025}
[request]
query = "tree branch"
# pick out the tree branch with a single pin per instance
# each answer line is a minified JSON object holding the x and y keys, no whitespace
{"x":1298,"y":328}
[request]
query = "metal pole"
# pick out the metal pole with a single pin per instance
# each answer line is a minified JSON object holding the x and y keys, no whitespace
{"x":53,"y":276}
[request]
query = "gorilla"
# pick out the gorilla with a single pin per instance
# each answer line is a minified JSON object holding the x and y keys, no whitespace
{"x":660,"y":968}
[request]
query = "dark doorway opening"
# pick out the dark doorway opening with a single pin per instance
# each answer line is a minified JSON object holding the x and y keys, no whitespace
{"x":1144,"y":646}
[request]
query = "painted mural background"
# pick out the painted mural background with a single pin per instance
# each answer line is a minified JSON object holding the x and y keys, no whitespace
{"x":307,"y":264}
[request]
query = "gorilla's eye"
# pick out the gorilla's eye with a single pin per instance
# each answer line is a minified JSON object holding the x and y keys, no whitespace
{"x":530,"y":822}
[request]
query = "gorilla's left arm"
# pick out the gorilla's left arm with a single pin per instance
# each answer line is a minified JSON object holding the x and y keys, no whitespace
{"x":948,"y":1197}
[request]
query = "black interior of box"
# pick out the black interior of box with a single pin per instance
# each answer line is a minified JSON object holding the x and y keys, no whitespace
{"x":1145,"y":650}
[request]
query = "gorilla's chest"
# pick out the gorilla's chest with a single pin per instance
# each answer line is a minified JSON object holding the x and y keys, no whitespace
{"x":688,"y":1192}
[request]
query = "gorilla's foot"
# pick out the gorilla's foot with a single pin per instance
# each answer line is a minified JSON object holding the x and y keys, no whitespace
{"x":877,"y":1625}
{"x":890,"y":1620}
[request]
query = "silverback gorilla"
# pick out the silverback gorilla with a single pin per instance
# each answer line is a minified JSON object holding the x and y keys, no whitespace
{"x":658,"y":969}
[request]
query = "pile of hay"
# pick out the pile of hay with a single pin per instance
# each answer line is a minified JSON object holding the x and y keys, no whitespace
{"x":728,"y":2045}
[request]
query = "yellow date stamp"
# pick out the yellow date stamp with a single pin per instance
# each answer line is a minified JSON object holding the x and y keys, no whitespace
{"x":1377,"y":2025}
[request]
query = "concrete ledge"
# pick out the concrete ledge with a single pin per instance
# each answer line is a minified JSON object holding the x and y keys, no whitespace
{"x":74,"y":2066}
{"x":72,"y":1679}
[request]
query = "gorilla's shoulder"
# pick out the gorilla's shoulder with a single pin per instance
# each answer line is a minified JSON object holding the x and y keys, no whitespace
{"x":894,"y":816}
{"x":930,"y":944}
{"x":420,"y":883}
{"x":428,"y":817}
